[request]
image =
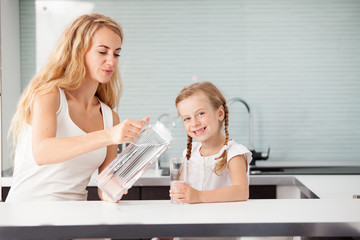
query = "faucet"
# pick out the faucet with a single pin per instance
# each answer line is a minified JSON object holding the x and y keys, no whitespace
{"x":256,"y":155}
{"x":169,"y":116}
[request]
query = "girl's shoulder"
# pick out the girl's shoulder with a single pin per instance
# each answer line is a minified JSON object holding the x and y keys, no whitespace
{"x":235,"y":149}
{"x":234,"y":145}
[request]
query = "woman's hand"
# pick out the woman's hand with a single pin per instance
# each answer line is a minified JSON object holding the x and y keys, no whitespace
{"x":127,"y":130}
{"x":106,"y":197}
{"x":183,"y":193}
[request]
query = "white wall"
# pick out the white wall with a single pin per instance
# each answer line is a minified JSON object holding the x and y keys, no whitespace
{"x":295,"y":62}
{"x":10,"y":74}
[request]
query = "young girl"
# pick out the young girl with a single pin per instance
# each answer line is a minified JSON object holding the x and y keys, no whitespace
{"x":217,"y":166}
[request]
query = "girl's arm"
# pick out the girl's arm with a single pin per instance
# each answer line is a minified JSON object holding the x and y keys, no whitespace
{"x":239,"y":191}
{"x":48,"y":149}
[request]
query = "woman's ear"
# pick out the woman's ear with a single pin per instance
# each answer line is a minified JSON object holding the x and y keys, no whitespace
{"x":221,"y":113}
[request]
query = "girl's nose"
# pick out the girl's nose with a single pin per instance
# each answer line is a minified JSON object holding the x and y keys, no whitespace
{"x":195,"y":122}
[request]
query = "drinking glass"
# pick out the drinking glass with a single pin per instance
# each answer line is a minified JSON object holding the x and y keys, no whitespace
{"x":178,"y":173}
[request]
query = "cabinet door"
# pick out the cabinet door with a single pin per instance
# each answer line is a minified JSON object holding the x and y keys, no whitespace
{"x":263,"y":192}
{"x":155,"y":193}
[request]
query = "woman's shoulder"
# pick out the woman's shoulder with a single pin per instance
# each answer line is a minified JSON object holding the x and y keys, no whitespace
{"x":52,"y":92}
{"x":49,"y":97}
{"x":44,"y":103}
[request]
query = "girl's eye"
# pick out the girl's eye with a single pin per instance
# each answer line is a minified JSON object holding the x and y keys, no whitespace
{"x":201,"y":113}
{"x":117,"y":55}
{"x":103,"y":53}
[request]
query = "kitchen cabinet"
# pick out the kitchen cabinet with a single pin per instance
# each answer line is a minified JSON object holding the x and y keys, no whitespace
{"x":135,"y":193}
{"x":138,"y":193}
{"x":162,"y":192}
{"x":262,"y":192}
{"x":4,"y":193}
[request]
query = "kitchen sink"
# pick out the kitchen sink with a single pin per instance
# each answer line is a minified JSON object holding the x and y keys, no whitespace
{"x":332,"y":170}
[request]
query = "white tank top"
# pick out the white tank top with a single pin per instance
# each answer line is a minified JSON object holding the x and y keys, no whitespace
{"x":65,"y":181}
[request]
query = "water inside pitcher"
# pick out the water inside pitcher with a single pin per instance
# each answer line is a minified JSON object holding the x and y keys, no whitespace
{"x":134,"y":160}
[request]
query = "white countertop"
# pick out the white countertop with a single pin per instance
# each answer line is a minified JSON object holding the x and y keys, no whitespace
{"x":142,"y":211}
{"x":334,"y":214}
{"x":332,"y":186}
{"x":139,"y":219}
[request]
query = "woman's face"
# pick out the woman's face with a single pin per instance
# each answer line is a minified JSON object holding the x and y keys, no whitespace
{"x":103,"y":55}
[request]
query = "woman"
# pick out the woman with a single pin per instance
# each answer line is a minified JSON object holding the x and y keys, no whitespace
{"x":64,"y":128}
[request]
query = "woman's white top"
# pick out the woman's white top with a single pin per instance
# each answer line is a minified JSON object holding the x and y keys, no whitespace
{"x":64,"y":181}
{"x":201,"y":174}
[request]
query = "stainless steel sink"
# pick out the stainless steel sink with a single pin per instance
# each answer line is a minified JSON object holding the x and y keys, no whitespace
{"x":333,"y":170}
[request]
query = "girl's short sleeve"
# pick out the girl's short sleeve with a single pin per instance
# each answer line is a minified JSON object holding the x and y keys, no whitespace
{"x":236,"y":149}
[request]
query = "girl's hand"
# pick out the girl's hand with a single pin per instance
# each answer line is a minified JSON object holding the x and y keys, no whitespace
{"x":127,"y":130}
{"x":183,"y":193}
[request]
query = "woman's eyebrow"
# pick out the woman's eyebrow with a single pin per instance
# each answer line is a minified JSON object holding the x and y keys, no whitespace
{"x":104,"y":46}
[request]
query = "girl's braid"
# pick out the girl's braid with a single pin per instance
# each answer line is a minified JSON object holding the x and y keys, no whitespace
{"x":223,"y":158}
{"x":188,"y":146}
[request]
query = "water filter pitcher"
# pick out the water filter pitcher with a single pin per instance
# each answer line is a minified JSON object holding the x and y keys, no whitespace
{"x":134,"y":160}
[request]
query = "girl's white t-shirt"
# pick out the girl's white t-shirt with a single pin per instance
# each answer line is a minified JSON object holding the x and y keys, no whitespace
{"x":64,"y":181}
{"x":201,"y":174}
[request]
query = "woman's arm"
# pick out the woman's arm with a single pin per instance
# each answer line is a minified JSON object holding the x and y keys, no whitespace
{"x":239,"y":191}
{"x":48,"y":149}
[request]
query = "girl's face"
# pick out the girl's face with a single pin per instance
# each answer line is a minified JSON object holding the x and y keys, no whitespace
{"x":103,"y":55}
{"x":202,"y":122}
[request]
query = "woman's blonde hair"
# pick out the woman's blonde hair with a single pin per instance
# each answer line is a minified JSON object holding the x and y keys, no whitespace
{"x":66,"y":69}
{"x":217,"y":100}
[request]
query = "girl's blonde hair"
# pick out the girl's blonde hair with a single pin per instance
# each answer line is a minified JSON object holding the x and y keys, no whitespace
{"x":66,"y":69}
{"x":217,"y":100}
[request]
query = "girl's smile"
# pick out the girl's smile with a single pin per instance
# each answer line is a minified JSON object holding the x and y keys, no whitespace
{"x":199,"y":131}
